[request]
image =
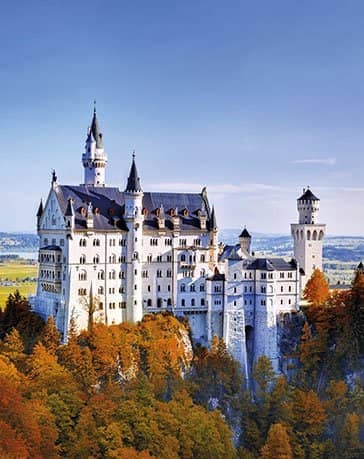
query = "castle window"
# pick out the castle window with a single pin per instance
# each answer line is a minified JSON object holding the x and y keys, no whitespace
{"x":202,"y":302}
{"x":112,"y":258}
{"x":169,"y":273}
{"x":250,"y":275}
{"x":169,"y":258}
{"x":82,"y":259}
{"x":235,"y":276}
{"x":154,"y":242}
{"x":149,"y":259}
{"x":281,"y":275}
{"x":169,"y":302}
{"x":183,"y":242}
{"x":101,"y":275}
{"x":290,"y":289}
{"x":61,"y":242}
{"x":83,"y":243}
{"x":183,"y":288}
{"x":202,"y":259}
{"x":183,"y":257}
{"x":100,"y":290}
{"x":217,"y":289}
{"x":82,"y":276}
{"x":96,"y":259}
{"x":101,"y":305}
{"x":121,"y":290}
{"x":169,"y":287}
{"x":192,"y":302}
{"x":262,"y":290}
{"x":235,"y":290}
{"x":282,"y":289}
{"x":263,"y":275}
{"x":159,"y":273}
{"x":281,"y":301}
{"x":192,"y":288}
{"x":183,"y":302}
{"x":159,"y":258}
{"x":245,"y":289}
{"x":145,"y":273}
{"x":149,"y":288}
{"x":112,"y":275}
{"x":149,"y":302}
{"x":135,"y":287}
{"x":270,"y":276}
{"x":289,"y":301}
{"x":290,"y":275}
{"x":197,"y":242}
{"x":202,"y":288}
{"x":262,"y":302}
{"x":250,"y":289}
{"x":168,"y":241}
{"x":159,"y":288}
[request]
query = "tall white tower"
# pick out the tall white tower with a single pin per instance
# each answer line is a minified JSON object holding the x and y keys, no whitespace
{"x":308,"y":235}
{"x":94,"y":159}
{"x":134,"y":217}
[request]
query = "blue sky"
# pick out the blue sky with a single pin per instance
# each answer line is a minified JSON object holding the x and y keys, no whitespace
{"x":255,"y":99}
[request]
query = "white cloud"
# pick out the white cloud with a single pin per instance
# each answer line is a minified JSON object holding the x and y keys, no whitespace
{"x":322,"y":161}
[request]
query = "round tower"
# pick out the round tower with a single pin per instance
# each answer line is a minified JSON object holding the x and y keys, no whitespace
{"x":94,"y":159}
{"x":134,"y":218}
{"x":308,"y":235}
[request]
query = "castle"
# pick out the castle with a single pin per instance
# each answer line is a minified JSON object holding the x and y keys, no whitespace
{"x":112,"y":256}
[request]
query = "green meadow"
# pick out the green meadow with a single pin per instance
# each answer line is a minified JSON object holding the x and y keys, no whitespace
{"x":17,"y":272}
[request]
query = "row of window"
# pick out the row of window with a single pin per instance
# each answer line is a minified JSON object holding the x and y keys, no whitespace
{"x":265,"y":275}
{"x":192,"y":288}
{"x":53,"y":242}
{"x":97,"y":243}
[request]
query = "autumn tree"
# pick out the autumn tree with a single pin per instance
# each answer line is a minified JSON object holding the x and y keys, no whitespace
{"x":277,"y":445}
{"x":317,"y":290}
{"x":50,"y":336}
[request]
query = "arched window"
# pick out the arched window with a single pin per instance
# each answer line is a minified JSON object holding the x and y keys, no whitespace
{"x":82,"y":275}
{"x":202,"y":258}
{"x":192,"y":302}
{"x":202,"y":302}
{"x":82,"y":259}
{"x":321,"y":235}
{"x":183,"y":288}
{"x":96,"y":259}
{"x":100,"y":290}
{"x":83,"y":243}
{"x":149,"y":302}
{"x":314,"y":235}
{"x":182,"y":302}
{"x":101,"y":275}
{"x":308,"y":235}
{"x":112,"y":275}
{"x":169,"y":302}
{"x":183,"y":257}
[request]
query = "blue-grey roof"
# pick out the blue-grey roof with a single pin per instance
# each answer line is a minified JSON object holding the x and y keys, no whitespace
{"x":108,"y":206}
{"x":308,"y":196}
{"x":133,"y":179}
{"x":95,"y":131}
{"x":273,"y":264}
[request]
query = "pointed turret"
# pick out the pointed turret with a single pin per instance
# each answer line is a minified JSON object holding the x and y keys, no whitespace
{"x":245,"y":240}
{"x":70,"y":215}
{"x":94,"y":159}
{"x":69,"y":210}
{"x":133,"y":184}
{"x":95,"y":131}
{"x":40,"y":209}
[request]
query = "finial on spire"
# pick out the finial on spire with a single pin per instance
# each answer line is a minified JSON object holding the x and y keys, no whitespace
{"x":133,"y":154}
{"x":54,"y":176}
{"x":95,"y":106}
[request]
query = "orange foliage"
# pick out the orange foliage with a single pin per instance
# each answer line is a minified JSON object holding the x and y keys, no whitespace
{"x":317,"y":289}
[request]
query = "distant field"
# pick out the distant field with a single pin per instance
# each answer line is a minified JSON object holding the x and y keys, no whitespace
{"x":16,"y":271}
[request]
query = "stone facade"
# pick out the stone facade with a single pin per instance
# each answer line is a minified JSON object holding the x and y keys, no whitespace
{"x":115,"y":256}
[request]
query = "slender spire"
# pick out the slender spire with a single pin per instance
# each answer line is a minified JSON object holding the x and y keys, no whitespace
{"x":95,"y":130}
{"x":40,"y":209}
{"x":133,"y":179}
{"x":213,"y":224}
{"x":70,"y":211}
